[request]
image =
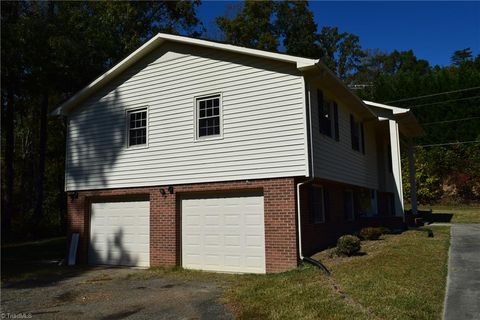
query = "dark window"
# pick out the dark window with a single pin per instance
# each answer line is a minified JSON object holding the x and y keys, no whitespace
{"x":208,"y":116}
{"x":335,"y":119}
{"x":355,"y":136}
{"x":317,"y":204}
{"x":324,"y":114}
{"x":137,"y":127}
{"x":349,"y":205}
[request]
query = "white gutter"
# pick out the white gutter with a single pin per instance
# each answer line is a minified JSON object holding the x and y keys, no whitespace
{"x":299,"y":215}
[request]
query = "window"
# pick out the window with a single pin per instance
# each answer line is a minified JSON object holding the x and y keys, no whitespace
{"x":208,"y":116}
{"x":357,"y":135}
{"x":363,"y":202}
{"x":137,"y":127}
{"x":317,"y":204}
{"x":349,"y":205}
{"x":327,"y":110}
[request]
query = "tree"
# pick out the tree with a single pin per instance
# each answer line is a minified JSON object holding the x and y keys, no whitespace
{"x":289,"y":26}
{"x":460,"y":56}
{"x":252,"y":27}
{"x":443,"y":172}
{"x":50,"y":50}
{"x":294,"y":23}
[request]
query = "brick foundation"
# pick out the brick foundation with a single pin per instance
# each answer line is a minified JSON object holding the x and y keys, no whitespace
{"x":318,"y":236}
{"x":165,"y":227}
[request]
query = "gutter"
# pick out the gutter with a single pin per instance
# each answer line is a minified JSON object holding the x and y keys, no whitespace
{"x":300,"y":184}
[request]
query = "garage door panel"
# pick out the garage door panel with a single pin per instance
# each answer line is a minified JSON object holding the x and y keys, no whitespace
{"x":223,"y":233}
{"x":120,"y":233}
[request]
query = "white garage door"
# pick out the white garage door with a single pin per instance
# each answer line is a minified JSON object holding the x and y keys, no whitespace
{"x":223,"y":233}
{"x":120,"y":233}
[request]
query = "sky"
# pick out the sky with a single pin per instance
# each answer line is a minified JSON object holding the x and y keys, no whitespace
{"x":433,"y":30}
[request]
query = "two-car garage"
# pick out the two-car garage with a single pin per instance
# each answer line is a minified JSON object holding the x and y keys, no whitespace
{"x":221,"y":232}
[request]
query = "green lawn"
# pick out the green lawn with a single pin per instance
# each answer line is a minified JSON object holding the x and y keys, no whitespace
{"x":460,"y":214}
{"x":398,"y":277}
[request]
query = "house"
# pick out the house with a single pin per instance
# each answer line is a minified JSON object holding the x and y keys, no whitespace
{"x":218,"y":157}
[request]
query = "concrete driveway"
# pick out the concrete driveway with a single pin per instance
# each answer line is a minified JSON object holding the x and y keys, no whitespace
{"x":114,"y":293}
{"x":463,"y":283}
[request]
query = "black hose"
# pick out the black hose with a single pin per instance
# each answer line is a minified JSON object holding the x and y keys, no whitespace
{"x":317,"y":264}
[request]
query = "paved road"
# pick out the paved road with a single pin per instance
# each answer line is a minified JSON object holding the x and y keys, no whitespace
{"x":463,"y":284}
{"x":115,"y":293}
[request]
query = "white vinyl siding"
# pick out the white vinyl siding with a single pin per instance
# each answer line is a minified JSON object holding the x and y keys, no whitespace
{"x":263,"y":120}
{"x":336,"y":160}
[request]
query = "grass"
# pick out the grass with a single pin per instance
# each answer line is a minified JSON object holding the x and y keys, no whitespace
{"x":398,"y":277}
{"x":33,"y":260}
{"x":461,"y":214}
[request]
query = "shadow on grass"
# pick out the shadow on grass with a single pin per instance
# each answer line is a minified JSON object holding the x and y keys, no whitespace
{"x":36,"y":264}
{"x":437,"y":217}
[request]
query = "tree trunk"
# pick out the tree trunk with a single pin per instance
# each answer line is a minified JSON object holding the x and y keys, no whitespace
{"x":9,"y":171}
{"x":39,"y":186}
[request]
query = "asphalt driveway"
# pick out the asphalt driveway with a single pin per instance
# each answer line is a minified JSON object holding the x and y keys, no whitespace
{"x":463,"y":283}
{"x":115,"y":293}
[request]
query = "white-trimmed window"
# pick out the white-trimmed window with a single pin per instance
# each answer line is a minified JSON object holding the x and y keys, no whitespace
{"x":349,"y":205}
{"x":208,"y":116}
{"x":317,"y":204}
{"x":137,"y":127}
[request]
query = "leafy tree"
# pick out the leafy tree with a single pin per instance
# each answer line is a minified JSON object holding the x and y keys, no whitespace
{"x":341,"y":52}
{"x":252,"y":27}
{"x":443,"y":172}
{"x":460,"y":56}
{"x":266,"y":25}
{"x":295,"y":25}
{"x":50,"y":50}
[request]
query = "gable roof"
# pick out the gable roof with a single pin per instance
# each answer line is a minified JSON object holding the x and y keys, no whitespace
{"x":156,"y":41}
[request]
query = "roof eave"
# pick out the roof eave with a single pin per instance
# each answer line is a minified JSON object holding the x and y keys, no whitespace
{"x":149,"y":46}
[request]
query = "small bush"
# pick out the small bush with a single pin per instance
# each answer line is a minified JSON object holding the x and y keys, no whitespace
{"x":348,"y":245}
{"x":371,"y":233}
{"x":385,"y":230}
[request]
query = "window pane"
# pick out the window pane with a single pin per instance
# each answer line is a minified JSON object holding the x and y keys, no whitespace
{"x":208,"y":117}
{"x":137,"y":133}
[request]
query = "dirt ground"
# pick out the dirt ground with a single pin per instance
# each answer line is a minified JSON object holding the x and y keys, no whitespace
{"x":113,"y":293}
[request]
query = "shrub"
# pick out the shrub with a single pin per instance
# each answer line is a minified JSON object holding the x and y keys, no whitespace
{"x":348,"y":245}
{"x":385,"y":230}
{"x":371,"y":233}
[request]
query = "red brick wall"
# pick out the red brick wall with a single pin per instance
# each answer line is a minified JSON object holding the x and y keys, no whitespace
{"x":317,"y":236}
{"x":165,"y":236}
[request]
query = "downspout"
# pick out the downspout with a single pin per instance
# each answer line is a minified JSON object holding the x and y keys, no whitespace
{"x":311,"y":179}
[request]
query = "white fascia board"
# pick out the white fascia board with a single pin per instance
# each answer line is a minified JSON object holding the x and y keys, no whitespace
{"x":301,"y":62}
{"x":395,"y":110}
{"x":107,"y":76}
{"x":158,"y":39}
